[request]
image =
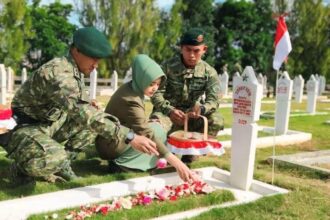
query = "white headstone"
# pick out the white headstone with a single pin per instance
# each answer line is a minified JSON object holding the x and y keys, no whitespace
{"x":114,"y":81}
{"x":317,"y":78}
{"x":298,"y":84}
{"x":236,"y":74}
{"x":322,"y":84}
{"x":24,"y":75}
{"x":128,"y":76}
{"x":283,"y":103}
{"x":10,"y":80}
{"x":260,"y":79}
{"x":224,"y":78}
{"x":246,"y":111}
{"x":265,"y":84}
{"x":312,"y":92}
{"x":3,"y":85}
{"x":93,"y":84}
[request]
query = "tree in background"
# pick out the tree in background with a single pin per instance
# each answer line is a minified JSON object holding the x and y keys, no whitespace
{"x":128,"y":24}
{"x":53,"y":32}
{"x":164,"y":43}
{"x":15,"y":29}
{"x":245,"y":35}
{"x":309,"y":28}
{"x":199,"y":13}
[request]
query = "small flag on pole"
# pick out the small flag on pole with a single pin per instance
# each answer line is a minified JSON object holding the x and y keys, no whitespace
{"x":282,"y":43}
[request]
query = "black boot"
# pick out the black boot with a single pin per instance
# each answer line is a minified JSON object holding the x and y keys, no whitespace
{"x":18,"y":177}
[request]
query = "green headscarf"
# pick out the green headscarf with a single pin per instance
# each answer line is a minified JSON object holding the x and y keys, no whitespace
{"x":144,"y":71}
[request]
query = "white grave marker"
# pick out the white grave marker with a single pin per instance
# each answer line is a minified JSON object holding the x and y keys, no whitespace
{"x":24,"y":75}
{"x":283,"y":103}
{"x":224,"y":78}
{"x":236,"y":74}
{"x":93,"y":84}
{"x":128,"y":76}
{"x":3,"y":84}
{"x":260,"y":79}
{"x":265,"y":85}
{"x":312,"y":91}
{"x":10,"y":80}
{"x":322,"y":84}
{"x":114,"y":81}
{"x":298,"y":88}
{"x":246,"y":111}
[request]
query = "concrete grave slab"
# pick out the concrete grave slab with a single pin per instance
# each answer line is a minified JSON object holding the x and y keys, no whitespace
{"x":23,"y":207}
{"x":290,"y":138}
{"x":292,"y":114}
{"x":309,"y":161}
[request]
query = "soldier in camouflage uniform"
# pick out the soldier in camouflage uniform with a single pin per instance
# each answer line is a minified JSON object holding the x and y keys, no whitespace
{"x":55,"y":118}
{"x":189,"y":79}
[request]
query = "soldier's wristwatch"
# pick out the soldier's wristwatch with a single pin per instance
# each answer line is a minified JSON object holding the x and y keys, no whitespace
{"x":129,"y":137}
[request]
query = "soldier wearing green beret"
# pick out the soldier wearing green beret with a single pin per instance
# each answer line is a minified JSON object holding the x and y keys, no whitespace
{"x":55,"y":119}
{"x":192,"y":87}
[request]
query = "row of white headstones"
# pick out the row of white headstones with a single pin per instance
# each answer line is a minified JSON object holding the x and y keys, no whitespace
{"x":7,"y":82}
{"x":298,"y":84}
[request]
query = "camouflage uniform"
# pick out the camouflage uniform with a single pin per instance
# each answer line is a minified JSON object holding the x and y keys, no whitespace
{"x":183,"y":89}
{"x":55,"y":119}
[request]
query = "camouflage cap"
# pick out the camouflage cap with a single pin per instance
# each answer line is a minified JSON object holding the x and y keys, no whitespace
{"x":92,"y":42}
{"x":194,"y":36}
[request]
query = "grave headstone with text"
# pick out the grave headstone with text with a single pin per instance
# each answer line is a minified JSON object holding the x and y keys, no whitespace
{"x":312,"y":92}
{"x":93,"y":84}
{"x":24,"y":75}
{"x":114,"y":81}
{"x":10,"y":80}
{"x":3,"y":84}
{"x":224,"y":79}
{"x":246,"y":111}
{"x":298,"y":88}
{"x":283,"y":103}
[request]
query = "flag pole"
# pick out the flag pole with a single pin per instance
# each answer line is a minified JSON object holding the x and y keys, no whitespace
{"x":274,"y":131}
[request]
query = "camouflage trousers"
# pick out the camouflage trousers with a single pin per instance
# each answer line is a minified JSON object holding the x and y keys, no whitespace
{"x":215,"y":123}
{"x":40,"y":150}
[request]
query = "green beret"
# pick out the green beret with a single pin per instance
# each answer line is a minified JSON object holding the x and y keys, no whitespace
{"x":194,"y":36}
{"x":92,"y":42}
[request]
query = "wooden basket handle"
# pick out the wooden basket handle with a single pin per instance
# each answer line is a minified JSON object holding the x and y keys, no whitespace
{"x":185,"y":128}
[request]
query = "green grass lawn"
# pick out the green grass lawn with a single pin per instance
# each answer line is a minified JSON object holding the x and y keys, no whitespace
{"x":309,"y":196}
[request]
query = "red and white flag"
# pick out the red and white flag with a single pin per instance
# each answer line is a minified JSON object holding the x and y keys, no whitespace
{"x":282,"y":43}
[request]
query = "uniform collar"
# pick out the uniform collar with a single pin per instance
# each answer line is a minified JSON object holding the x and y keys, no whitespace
{"x":197,"y":71}
{"x":76,"y":71}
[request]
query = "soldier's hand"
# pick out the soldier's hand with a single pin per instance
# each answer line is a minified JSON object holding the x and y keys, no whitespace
{"x":144,"y":145}
{"x":177,"y":117}
{"x":195,"y":111}
{"x":94,"y":103}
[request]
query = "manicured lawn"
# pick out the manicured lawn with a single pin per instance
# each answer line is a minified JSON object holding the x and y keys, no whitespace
{"x":309,"y":196}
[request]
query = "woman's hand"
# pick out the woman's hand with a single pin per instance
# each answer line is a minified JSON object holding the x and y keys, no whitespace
{"x":184,"y":172}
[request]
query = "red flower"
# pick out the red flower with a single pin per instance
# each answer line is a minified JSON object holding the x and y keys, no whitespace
{"x":173,"y":198}
{"x":104,"y":210}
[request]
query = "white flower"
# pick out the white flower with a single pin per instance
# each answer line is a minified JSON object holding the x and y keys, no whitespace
{"x":207,"y":189}
{"x":125,"y":202}
{"x":54,"y":216}
{"x":68,"y":217}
